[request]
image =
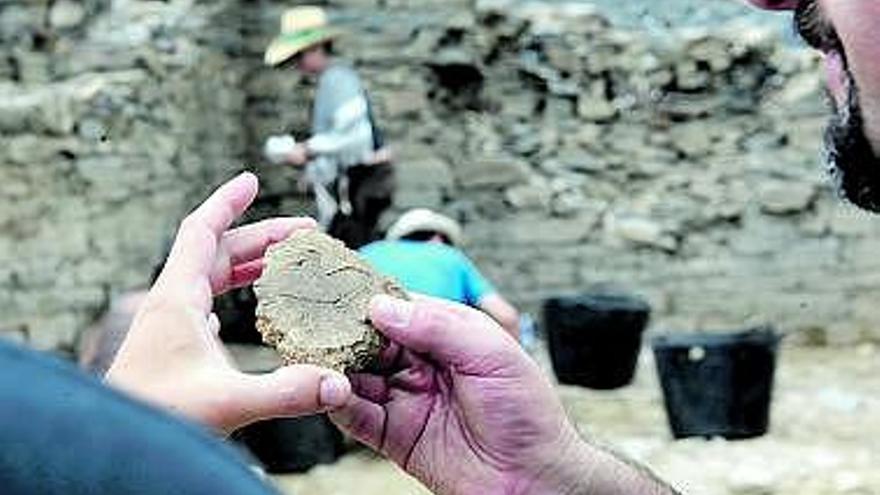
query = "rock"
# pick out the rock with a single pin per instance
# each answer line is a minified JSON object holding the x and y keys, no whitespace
{"x":786,"y":198}
{"x":640,"y":231}
{"x":403,"y":104}
{"x":491,"y":172}
{"x":713,"y":51}
{"x":419,"y":169}
{"x":568,"y":202}
{"x":692,"y":139}
{"x":537,"y":194}
{"x":595,"y":109}
{"x":313,"y":301}
{"x":562,"y":58}
{"x":66,"y":14}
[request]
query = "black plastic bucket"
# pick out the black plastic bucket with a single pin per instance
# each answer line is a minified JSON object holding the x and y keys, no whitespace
{"x":292,"y":445}
{"x":595,"y":339}
{"x":717,"y":385}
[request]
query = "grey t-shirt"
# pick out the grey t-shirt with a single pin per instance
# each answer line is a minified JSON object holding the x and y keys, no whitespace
{"x":341,"y":127}
{"x":342,"y":134}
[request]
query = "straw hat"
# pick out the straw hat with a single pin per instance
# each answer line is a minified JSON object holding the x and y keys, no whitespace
{"x":425,"y":220}
{"x":301,"y":28}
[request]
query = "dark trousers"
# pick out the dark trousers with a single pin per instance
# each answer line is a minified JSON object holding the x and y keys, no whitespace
{"x":370,"y":191}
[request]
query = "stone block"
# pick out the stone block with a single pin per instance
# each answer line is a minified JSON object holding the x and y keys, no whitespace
{"x":491,"y":172}
{"x":640,"y":231}
{"x":786,"y":198}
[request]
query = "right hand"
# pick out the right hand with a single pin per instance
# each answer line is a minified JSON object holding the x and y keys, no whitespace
{"x":298,"y":156}
{"x":172,"y":355}
{"x":380,"y":156}
{"x":460,"y":406}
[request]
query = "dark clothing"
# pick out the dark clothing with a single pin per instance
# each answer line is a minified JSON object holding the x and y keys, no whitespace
{"x":370,"y":190}
{"x":63,"y":432}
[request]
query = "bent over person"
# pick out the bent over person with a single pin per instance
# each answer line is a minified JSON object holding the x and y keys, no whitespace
{"x":421,"y":250}
{"x":347,"y":165}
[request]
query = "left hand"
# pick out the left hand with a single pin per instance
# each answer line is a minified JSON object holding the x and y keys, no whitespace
{"x":457,"y":404}
{"x":172,"y":356}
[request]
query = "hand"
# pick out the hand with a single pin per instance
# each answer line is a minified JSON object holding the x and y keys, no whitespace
{"x":465,"y":411}
{"x":462,"y":408}
{"x":172,"y":355}
{"x":298,"y":156}
{"x":381,"y":155}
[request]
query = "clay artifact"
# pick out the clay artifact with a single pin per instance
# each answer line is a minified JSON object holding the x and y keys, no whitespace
{"x":314,"y":296}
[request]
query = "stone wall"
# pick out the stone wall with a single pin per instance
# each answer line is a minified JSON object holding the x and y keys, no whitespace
{"x":683,"y":167}
{"x":117,"y":115}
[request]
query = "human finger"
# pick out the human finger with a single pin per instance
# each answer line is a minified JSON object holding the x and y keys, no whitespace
{"x":371,"y":387}
{"x":363,"y":420}
{"x":194,"y":251}
{"x":239,"y":262}
{"x":290,"y":391}
{"x":450,"y":334}
{"x":249,"y":242}
{"x":242,"y":276}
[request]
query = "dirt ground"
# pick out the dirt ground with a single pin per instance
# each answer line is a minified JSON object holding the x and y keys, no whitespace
{"x":823,"y":437}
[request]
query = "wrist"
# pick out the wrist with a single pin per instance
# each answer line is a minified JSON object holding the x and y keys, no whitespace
{"x":582,"y":468}
{"x":570,"y":463}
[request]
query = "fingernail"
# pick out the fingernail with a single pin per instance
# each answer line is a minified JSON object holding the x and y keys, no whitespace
{"x":334,"y":391}
{"x":248,"y":174}
{"x":391,"y":312}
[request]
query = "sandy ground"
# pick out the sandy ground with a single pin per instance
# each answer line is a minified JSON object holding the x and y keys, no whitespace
{"x":823,"y":438}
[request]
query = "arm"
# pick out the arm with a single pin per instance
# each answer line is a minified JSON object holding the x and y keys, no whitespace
{"x":463,"y":409}
{"x":501,"y":311}
{"x":350,"y":126}
{"x":342,"y":120}
{"x":587,"y":468}
{"x":481,"y":294}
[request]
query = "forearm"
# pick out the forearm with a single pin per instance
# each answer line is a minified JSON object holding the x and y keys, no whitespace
{"x":331,"y":142}
{"x":502,"y":312}
{"x":584,"y":468}
{"x":350,"y":126}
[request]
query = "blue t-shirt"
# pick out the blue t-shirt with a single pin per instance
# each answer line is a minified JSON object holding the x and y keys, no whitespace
{"x":430,"y":268}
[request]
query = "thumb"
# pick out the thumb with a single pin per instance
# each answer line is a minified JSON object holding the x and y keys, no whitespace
{"x":296,"y":390}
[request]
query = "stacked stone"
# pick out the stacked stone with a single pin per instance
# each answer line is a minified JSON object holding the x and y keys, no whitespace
{"x":116,"y":115}
{"x":682,"y":166}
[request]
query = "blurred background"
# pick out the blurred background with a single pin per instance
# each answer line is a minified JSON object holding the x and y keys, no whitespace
{"x":669,"y":150}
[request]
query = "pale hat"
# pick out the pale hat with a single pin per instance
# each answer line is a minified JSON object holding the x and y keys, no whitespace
{"x":425,"y":220}
{"x":301,"y":29}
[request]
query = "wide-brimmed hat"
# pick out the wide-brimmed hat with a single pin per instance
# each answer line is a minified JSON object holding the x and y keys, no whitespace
{"x":425,"y":220}
{"x":301,"y":29}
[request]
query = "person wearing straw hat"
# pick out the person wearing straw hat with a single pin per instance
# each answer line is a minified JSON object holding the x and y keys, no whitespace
{"x":421,"y":250}
{"x":347,"y":164}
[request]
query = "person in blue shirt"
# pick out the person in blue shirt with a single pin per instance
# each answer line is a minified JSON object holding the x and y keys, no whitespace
{"x":421,"y":252}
